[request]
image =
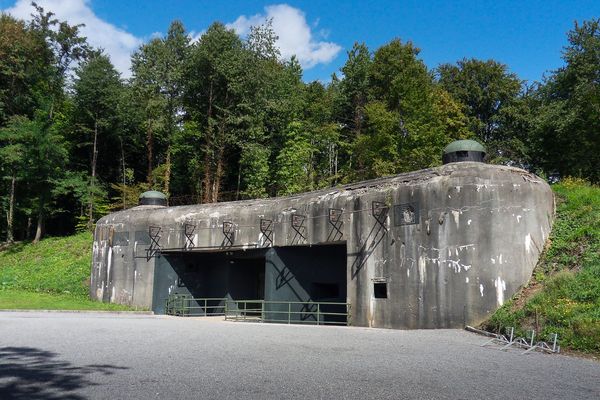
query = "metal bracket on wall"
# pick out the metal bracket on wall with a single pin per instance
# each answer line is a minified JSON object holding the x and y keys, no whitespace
{"x":228,"y":233}
{"x":154,"y":249}
{"x":266,"y":228}
{"x":188,"y":231}
{"x":380,"y":211}
{"x":297,"y":221}
{"x":335,"y":220}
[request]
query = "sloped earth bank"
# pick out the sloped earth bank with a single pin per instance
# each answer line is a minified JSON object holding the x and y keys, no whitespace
{"x":563,"y":295}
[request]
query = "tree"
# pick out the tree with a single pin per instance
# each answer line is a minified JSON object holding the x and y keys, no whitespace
{"x":65,"y":46}
{"x":489,"y":93}
{"x":566,"y":133}
{"x":426,"y":119}
{"x":217,"y":100}
{"x":324,"y":133}
{"x":294,"y":167}
{"x":21,"y":68}
{"x":158,"y":71}
{"x":47,"y":155}
{"x":377,"y":150}
{"x":14,"y":141}
{"x":97,"y":88}
{"x":354,"y":88}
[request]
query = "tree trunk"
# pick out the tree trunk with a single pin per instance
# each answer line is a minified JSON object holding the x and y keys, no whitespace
{"x":28,"y":229}
{"x":92,"y":183}
{"x":149,"y":145}
{"x":218,"y":175}
{"x":39,"y":232}
{"x":168,"y":171}
{"x":239,"y":180}
{"x":11,"y":211}
{"x":123,"y":170}
{"x":207,"y":181}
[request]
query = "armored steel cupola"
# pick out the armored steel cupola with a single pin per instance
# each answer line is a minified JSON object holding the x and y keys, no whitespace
{"x":153,"y":198}
{"x":463,"y":150}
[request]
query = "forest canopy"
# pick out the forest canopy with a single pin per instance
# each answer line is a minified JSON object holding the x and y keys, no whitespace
{"x":226,"y":118}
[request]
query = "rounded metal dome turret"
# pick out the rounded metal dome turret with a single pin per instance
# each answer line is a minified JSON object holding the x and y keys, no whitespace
{"x":463,"y":150}
{"x":153,"y":198}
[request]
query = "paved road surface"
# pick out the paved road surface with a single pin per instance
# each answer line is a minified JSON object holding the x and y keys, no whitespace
{"x":110,"y":356}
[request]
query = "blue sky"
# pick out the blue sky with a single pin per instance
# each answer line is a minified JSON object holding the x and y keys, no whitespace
{"x":528,"y":36}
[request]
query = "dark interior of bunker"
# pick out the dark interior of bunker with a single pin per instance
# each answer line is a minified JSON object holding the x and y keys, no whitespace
{"x":281,"y":277}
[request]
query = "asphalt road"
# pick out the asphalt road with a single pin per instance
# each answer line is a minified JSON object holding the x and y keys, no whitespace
{"x":110,"y":356}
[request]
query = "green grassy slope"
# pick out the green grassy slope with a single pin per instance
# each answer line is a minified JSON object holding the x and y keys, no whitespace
{"x":564,"y":293}
{"x":52,"y":274}
{"x":55,"y":265}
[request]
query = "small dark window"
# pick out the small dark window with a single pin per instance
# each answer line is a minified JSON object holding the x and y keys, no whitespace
{"x":380,"y":290}
{"x":323,"y":291}
{"x":462,"y":154}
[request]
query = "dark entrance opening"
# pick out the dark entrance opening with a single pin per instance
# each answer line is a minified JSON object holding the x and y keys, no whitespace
{"x":287,"y":282}
{"x":235,"y":275}
{"x":303,"y":275}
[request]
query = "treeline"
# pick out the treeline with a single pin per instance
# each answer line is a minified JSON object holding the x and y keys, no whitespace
{"x":225,"y":118}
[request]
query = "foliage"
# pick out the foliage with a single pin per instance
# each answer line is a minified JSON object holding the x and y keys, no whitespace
{"x":566,"y":132}
{"x":568,"y":274}
{"x":294,"y":161}
{"x":224,"y":118}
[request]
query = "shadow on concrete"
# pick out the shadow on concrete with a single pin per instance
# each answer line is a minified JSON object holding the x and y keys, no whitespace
{"x":31,"y":373}
{"x":376,"y":235}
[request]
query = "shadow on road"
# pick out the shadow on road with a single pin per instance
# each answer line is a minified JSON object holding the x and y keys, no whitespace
{"x":30,"y":373}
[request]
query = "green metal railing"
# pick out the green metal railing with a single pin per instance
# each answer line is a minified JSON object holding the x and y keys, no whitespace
{"x":186,"y":306}
{"x":289,"y":312}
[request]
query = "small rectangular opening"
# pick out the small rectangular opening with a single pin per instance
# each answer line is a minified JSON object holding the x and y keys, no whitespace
{"x":380,"y":290}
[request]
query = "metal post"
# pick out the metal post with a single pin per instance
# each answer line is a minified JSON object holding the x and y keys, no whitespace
{"x":289,"y":313}
{"x":318,"y":314}
{"x":205,"y":302}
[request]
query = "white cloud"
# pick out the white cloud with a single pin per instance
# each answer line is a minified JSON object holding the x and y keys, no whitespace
{"x":116,"y":42}
{"x":195,"y":36}
{"x":295,"y":35}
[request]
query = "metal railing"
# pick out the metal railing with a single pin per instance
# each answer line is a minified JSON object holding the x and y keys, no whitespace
{"x":186,"y":306}
{"x":288,"y":312}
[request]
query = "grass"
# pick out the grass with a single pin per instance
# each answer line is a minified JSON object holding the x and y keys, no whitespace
{"x":52,"y":274}
{"x":564,"y":294}
{"x":24,"y":300}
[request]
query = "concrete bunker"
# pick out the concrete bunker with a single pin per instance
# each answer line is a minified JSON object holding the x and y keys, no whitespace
{"x":436,"y":248}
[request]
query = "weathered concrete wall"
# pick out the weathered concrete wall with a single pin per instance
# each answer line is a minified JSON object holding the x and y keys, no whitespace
{"x":478,"y":234}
